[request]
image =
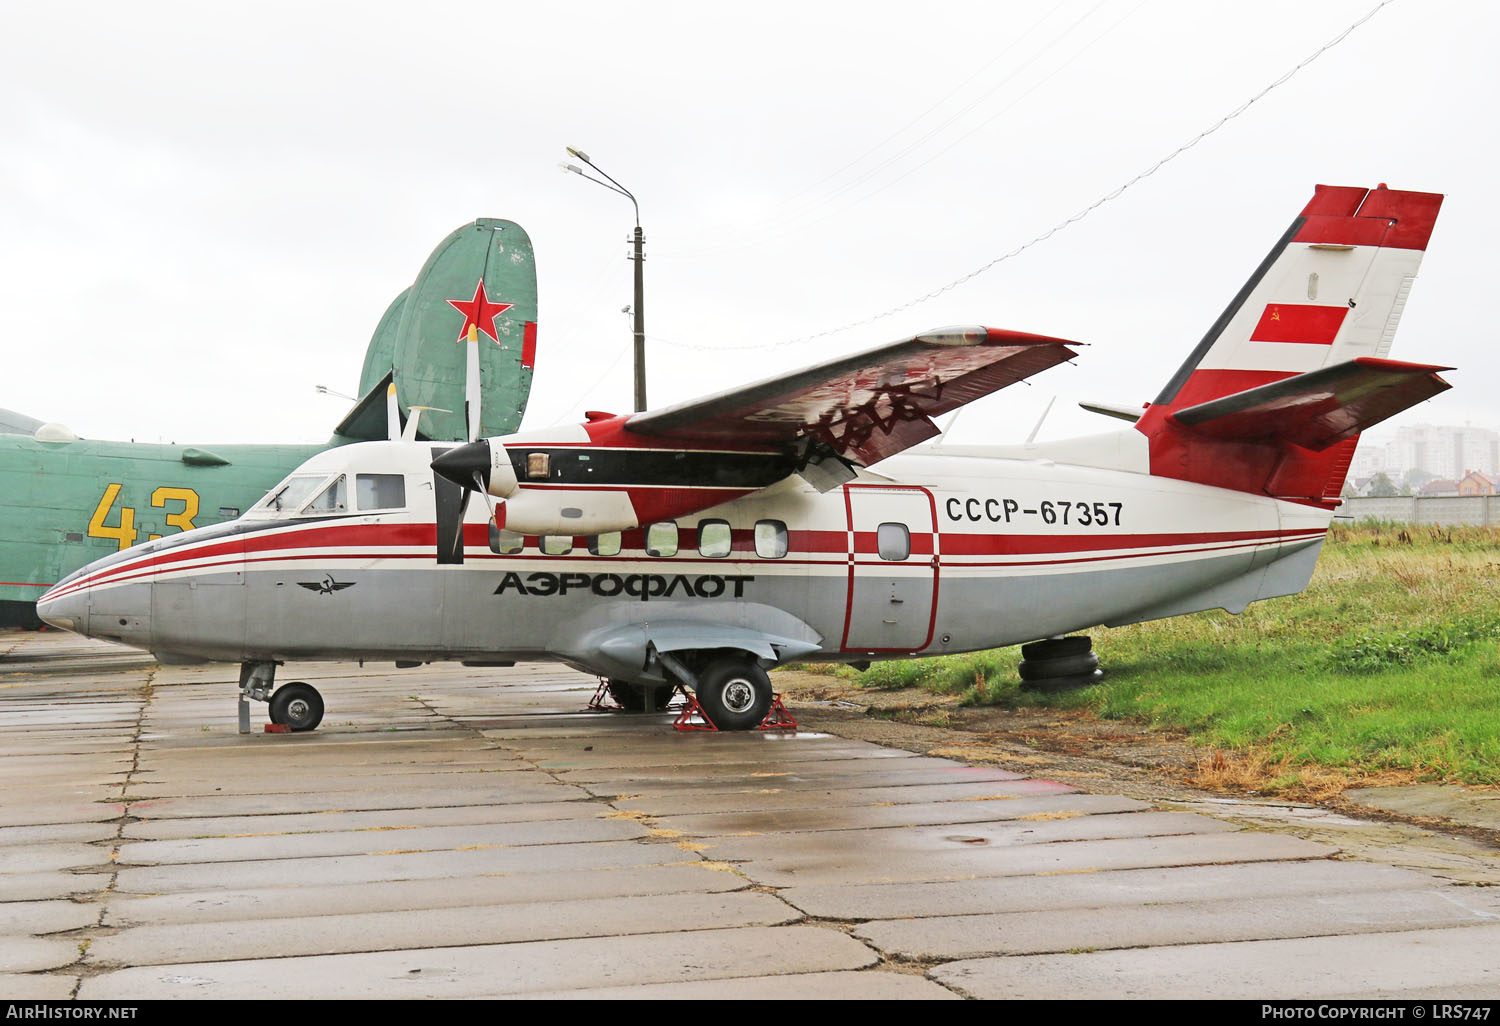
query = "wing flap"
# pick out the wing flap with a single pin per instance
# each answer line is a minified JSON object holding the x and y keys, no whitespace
{"x":870,"y":405}
{"x":1319,"y":409}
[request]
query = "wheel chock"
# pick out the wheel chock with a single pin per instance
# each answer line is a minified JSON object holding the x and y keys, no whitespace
{"x":603,"y":701}
{"x":693,"y":717}
{"x":777,"y":718}
{"x":278,"y":728}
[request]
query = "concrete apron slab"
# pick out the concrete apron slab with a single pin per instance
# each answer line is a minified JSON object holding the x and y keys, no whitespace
{"x":853,"y":865}
{"x":1129,"y":887}
{"x":865,"y":817}
{"x":1456,"y":963}
{"x":1465,"y":805}
{"x":1044,"y":828}
{"x":380,"y":819}
{"x":1178,"y":922}
{"x":397,"y":864}
{"x":870,"y":985}
{"x":781,"y":793}
{"x":426,"y":895}
{"x":38,"y":987}
{"x":419,"y":928}
{"x":35,"y":918}
{"x":373,"y":841}
{"x":503,"y":970}
{"x":331,"y":800}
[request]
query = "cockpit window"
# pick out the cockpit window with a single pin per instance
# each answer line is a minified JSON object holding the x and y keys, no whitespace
{"x":291,"y":493}
{"x":380,"y":491}
{"x":332,"y":499}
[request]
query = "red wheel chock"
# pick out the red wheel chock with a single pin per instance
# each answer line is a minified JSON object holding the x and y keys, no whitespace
{"x":603,"y":701}
{"x":693,"y":717}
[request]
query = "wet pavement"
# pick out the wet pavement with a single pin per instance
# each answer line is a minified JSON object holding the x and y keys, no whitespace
{"x":466,"y":832}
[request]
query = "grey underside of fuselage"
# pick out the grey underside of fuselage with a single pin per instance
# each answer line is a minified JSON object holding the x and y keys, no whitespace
{"x":457,"y":614}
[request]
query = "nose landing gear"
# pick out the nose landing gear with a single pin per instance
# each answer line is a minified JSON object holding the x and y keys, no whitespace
{"x":297,"y":705}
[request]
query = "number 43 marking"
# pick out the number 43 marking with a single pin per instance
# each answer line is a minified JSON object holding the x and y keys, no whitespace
{"x":125,"y":533}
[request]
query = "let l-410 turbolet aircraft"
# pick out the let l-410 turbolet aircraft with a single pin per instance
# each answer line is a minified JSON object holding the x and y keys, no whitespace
{"x":703,"y":543}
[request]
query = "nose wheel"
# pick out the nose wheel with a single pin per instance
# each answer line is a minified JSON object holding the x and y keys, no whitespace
{"x":297,"y":705}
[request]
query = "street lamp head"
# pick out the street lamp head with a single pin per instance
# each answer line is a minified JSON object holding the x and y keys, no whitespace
{"x":571,"y":168}
{"x":579,"y":154}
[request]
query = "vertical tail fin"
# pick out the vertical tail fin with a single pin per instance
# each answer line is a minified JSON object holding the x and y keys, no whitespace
{"x":1322,"y":308}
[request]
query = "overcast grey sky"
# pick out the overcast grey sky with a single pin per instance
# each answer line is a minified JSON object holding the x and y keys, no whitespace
{"x":205,"y":209}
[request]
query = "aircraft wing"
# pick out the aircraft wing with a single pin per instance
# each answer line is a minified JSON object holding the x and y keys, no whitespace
{"x":1320,"y":408}
{"x":867,"y":406}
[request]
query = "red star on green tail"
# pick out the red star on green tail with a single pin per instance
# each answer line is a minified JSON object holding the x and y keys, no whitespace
{"x":479,"y":312}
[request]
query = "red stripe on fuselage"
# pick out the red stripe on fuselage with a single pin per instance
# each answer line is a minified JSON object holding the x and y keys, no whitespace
{"x":375,"y":541}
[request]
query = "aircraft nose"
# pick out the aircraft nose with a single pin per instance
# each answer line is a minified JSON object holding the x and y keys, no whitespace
{"x":66,"y":606}
{"x":462,"y":462}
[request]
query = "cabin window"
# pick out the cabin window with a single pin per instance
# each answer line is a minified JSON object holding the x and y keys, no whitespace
{"x":893,"y":541}
{"x":661,"y":539}
{"x":380,"y":491}
{"x":770,"y":539}
{"x":607,"y":544}
{"x":506,"y":543}
{"x":714,"y":538}
{"x":333,"y":499}
{"x":557,"y":544}
{"x":291,"y":494}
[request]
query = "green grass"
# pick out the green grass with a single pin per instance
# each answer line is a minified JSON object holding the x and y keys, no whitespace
{"x":1387,"y":667}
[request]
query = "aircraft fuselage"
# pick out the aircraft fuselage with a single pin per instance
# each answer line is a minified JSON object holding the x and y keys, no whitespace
{"x":943,"y":553}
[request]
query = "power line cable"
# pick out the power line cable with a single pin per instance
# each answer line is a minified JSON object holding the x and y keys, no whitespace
{"x":1075,"y":218}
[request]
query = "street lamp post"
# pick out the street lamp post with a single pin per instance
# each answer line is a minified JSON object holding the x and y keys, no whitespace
{"x":639,"y":257}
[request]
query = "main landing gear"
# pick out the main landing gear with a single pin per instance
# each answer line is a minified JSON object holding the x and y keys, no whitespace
{"x":734,"y":693}
{"x":296,"y":706}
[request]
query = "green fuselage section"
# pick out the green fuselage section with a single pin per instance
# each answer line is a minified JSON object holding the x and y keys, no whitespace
{"x":65,"y":504}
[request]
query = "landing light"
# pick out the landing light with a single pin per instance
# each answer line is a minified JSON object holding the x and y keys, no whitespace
{"x":956,"y":336}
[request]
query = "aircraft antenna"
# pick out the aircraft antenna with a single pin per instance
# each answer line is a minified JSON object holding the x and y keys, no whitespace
{"x":1048,"y":409}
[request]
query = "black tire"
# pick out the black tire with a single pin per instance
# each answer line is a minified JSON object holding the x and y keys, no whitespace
{"x":297,"y":705}
{"x":1053,"y":648}
{"x":632,"y":697}
{"x":735,"y":694}
{"x":1056,"y":685}
{"x":1063,"y":666}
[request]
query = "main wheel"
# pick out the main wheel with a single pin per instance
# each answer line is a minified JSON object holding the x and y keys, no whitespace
{"x":632,"y":697}
{"x":297,"y":705}
{"x":735,"y":694}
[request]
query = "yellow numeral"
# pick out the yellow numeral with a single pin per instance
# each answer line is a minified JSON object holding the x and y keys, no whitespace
{"x":183,"y":518}
{"x":126,"y":532}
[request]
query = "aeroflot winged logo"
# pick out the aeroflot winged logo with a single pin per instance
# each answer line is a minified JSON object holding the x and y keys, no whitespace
{"x":327,"y":586}
{"x":479,"y":312}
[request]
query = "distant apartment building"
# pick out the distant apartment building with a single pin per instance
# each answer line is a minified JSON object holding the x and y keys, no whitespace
{"x":1443,"y":451}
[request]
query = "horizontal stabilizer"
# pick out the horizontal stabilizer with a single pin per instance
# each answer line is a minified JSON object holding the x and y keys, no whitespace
{"x":1129,"y":414}
{"x":366,"y":421}
{"x":1319,"y":409}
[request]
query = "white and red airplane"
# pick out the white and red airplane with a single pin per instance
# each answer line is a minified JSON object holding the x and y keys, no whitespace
{"x":703,"y":543}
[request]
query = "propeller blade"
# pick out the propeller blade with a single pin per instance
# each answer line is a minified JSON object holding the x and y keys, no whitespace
{"x":450,"y":493}
{"x":471,"y":383}
{"x":392,"y":413}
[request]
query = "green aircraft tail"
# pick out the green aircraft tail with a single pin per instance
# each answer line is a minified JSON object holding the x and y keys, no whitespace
{"x":482,"y":275}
